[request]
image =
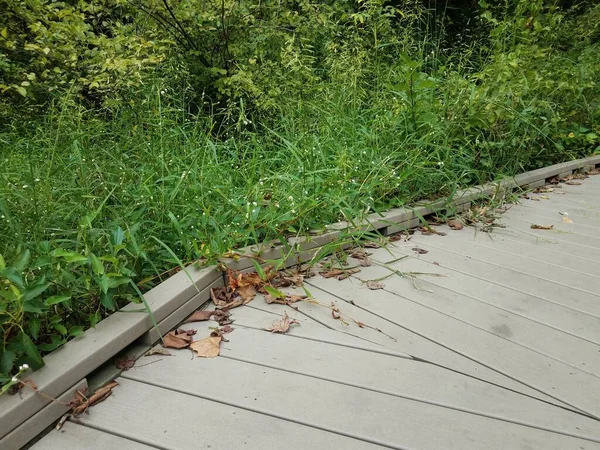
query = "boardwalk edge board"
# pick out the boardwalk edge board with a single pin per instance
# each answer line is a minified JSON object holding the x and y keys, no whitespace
{"x":178,"y":296}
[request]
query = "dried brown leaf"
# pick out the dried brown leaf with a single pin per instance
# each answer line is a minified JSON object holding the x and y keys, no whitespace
{"x":178,"y":338}
{"x":158,"y":351}
{"x":247,"y":292}
{"x":199,"y":316}
{"x":125,"y":362}
{"x":541,"y":227}
{"x":98,"y":396}
{"x":419,"y":250}
{"x":208,"y":347}
{"x":428,"y":231}
{"x":573,"y":183}
{"x":455,"y":224}
{"x":282,"y":325}
{"x":331,"y":273}
{"x":222,"y":316}
{"x":287,"y":300}
{"x":375,"y":285}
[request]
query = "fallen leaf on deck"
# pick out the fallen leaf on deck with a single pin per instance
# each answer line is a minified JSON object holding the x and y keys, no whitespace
{"x":371,"y":244}
{"x":80,"y":404}
{"x":573,"y":183}
{"x":222,"y":316}
{"x":208,"y":347}
{"x":566,"y":219}
{"x":225,"y":298}
{"x":178,"y":338}
{"x":331,"y":273}
{"x":340,"y":274}
{"x":221,"y":331}
{"x":375,"y":285}
{"x":541,"y":227}
{"x":428,"y":231}
{"x":287,"y":300}
{"x":455,"y":224}
{"x":247,"y":292}
{"x":436,"y":263}
{"x":545,"y":197}
{"x":542,"y":189}
{"x":282,"y":325}
{"x":362,"y":256}
{"x":420,"y":251}
{"x":125,"y":362}
{"x":158,"y":351}
{"x":593,"y":172}
{"x":199,"y":316}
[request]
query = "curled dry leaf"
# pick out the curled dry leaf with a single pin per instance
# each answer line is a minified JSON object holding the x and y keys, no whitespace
{"x":158,"y":351}
{"x":282,"y":325}
{"x":178,"y":338}
{"x":594,"y":172}
{"x":125,"y":362}
{"x":573,"y":183}
{"x":428,"y":231}
{"x":208,"y":347}
{"x":541,"y":227}
{"x":199,"y":316}
{"x":225,"y":298}
{"x":420,"y":251}
{"x":455,"y":224}
{"x":80,"y":403}
{"x":222,"y":316}
{"x":340,"y":274}
{"x":287,"y":300}
{"x":247,"y":292}
{"x":375,"y":285}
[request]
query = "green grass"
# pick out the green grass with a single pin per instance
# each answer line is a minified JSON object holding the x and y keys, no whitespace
{"x":91,"y":209}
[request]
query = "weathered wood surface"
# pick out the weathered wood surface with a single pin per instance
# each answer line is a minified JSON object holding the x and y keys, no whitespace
{"x":495,"y":344}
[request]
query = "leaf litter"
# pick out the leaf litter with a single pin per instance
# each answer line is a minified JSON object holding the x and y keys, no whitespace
{"x":282,"y":325}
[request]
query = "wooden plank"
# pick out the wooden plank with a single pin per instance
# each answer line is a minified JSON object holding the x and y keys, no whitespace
{"x":29,"y":429}
{"x":338,"y":406}
{"x":74,"y":437}
{"x":406,"y":341}
{"x":551,"y":212}
{"x":515,"y":280}
{"x":545,"y":374}
{"x":576,"y":228}
{"x":174,"y":420}
{"x":569,"y":349}
{"x":309,"y":330}
{"x":513,"y":245}
{"x":491,"y":254}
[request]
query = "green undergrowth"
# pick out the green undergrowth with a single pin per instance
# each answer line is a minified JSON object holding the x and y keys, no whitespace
{"x":97,"y":207}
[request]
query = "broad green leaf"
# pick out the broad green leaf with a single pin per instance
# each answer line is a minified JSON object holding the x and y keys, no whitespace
{"x":7,"y":359}
{"x":35,"y":306}
{"x":97,"y":265}
{"x":103,"y":283}
{"x":2,"y":263}
{"x":106,"y":299}
{"x":11,"y":274}
{"x":36,"y":361}
{"x":117,"y":281}
{"x":34,"y":325}
{"x":22,"y":260}
{"x":117,"y":236}
{"x":34,"y":291}
{"x":61,"y":328}
{"x":55,"y":299}
{"x":76,"y":331}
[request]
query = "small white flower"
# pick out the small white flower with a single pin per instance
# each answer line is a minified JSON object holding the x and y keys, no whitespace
{"x":24,"y":367}
{"x":37,"y":180}
{"x":440,"y":164}
{"x":25,"y":186}
{"x":15,"y":379}
{"x":254,"y":204}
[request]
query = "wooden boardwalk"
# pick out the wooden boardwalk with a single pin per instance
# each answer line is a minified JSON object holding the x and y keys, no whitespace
{"x":501,"y":352}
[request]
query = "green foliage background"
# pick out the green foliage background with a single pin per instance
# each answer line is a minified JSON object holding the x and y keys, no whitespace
{"x":138,"y":134}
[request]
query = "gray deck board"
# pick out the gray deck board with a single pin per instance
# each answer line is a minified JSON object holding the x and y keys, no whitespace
{"x":501,"y":352}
